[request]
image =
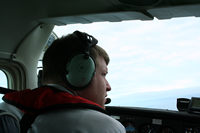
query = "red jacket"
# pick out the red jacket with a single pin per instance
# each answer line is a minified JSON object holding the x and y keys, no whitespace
{"x":45,"y":98}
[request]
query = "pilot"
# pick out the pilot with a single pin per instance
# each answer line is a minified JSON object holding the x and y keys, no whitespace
{"x":73,"y":93}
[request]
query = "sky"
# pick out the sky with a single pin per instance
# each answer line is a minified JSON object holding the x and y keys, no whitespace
{"x":3,"y":81}
{"x":152,"y":62}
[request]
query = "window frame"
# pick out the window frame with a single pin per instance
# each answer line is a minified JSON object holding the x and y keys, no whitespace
{"x":15,"y":74}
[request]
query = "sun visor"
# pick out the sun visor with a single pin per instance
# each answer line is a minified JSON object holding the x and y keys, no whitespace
{"x":100,"y":17}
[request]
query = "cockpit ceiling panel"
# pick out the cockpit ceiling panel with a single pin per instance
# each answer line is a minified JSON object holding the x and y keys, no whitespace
{"x":111,"y":17}
{"x":178,"y":11}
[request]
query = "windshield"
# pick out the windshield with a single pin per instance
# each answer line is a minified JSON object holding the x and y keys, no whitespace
{"x":152,"y":62}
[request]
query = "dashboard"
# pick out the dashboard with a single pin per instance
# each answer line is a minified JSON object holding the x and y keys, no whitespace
{"x":146,"y":120}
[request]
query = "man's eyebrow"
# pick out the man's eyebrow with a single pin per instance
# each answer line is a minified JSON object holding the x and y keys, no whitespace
{"x":106,"y":70}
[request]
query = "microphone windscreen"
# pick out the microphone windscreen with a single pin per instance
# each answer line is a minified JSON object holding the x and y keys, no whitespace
{"x":108,"y":100}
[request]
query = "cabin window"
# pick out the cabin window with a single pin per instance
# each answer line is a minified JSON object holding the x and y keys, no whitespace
{"x":3,"y":81}
{"x":152,"y":62}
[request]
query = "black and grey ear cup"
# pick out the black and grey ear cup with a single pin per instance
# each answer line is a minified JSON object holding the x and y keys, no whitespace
{"x":80,"y":71}
{"x":81,"y":67}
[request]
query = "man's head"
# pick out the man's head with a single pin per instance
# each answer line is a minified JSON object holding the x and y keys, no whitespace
{"x":60,"y":53}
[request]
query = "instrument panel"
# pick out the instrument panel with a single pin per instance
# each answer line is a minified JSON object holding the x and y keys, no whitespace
{"x":145,"y":120}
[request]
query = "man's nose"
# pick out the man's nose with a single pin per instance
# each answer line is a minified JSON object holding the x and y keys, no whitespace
{"x":108,"y":87}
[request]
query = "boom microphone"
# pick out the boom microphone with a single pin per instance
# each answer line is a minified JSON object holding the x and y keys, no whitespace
{"x":108,"y":100}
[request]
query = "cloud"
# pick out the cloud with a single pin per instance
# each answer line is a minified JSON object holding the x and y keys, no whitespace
{"x":177,"y":85}
{"x":148,"y":56}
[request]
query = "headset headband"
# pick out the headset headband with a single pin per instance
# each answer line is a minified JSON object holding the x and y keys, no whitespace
{"x":87,"y":40}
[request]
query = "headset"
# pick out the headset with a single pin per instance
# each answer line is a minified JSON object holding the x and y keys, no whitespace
{"x":81,"y":67}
